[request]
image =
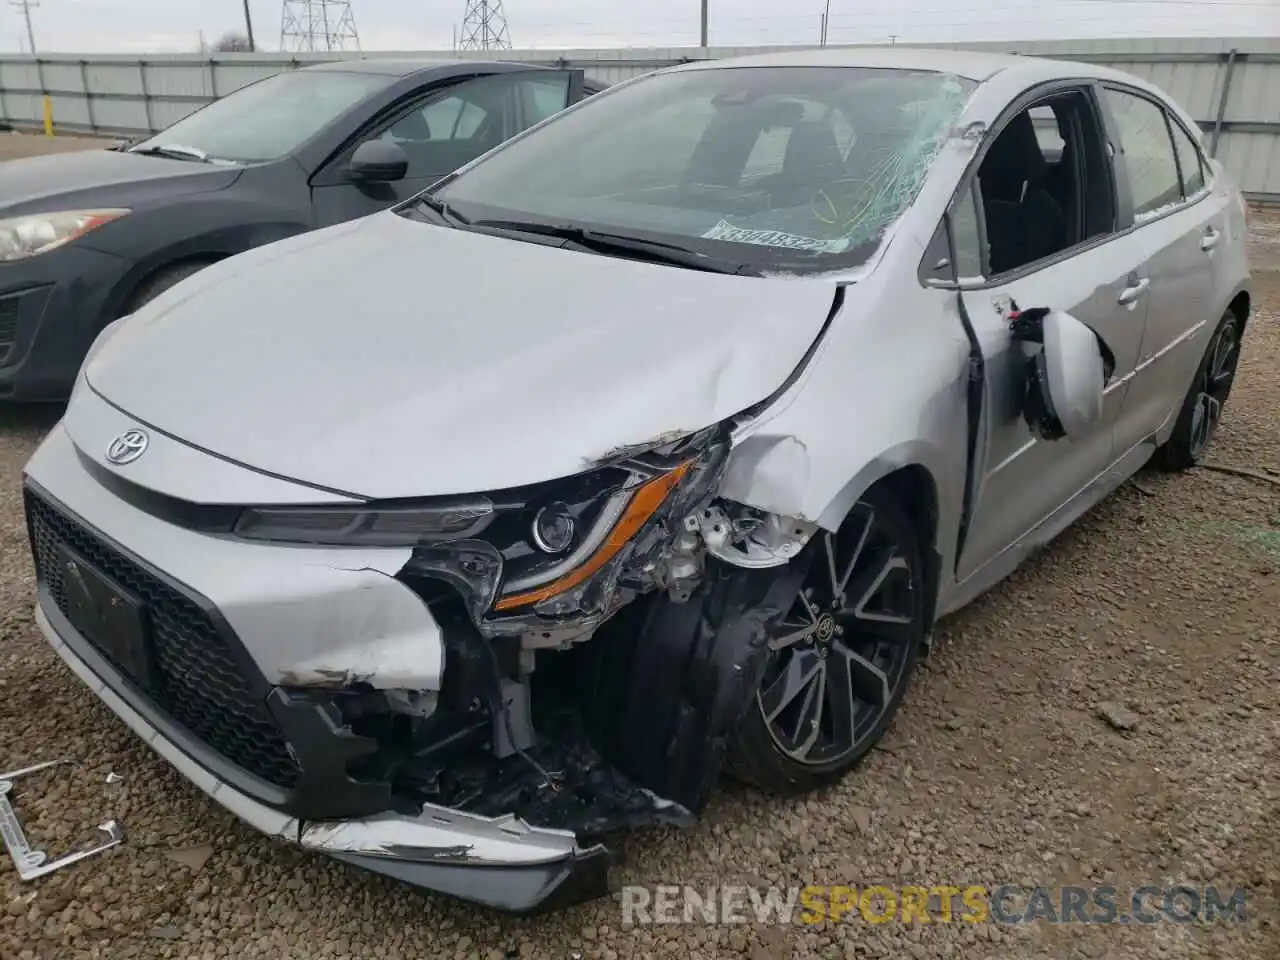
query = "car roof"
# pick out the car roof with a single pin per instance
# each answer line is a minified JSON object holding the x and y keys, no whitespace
{"x":391,"y":67}
{"x":975,"y":65}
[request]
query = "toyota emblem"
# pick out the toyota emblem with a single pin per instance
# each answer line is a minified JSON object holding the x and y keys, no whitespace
{"x":127,"y":447}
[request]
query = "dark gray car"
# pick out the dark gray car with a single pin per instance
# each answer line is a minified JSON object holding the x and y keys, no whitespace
{"x":90,"y":236}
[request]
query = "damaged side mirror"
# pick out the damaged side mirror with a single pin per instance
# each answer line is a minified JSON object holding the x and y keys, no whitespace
{"x":1067,"y":369}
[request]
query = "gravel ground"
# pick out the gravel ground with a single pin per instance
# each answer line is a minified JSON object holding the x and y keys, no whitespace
{"x":997,"y":770}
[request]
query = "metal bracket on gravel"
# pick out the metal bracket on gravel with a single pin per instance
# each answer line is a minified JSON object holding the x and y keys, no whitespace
{"x":35,"y":863}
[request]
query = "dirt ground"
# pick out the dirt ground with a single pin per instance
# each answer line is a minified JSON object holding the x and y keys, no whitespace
{"x":998,"y":769}
{"x":16,"y":145}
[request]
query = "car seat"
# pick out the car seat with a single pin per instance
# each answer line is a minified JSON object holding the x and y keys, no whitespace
{"x":1024,"y":220}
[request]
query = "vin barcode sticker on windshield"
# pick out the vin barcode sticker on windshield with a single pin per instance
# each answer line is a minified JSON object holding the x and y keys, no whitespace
{"x":724,"y":230}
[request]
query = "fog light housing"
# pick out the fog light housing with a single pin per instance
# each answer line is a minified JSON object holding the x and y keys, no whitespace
{"x":553,"y":528}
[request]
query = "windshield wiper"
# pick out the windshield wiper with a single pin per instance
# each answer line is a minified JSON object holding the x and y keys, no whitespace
{"x":177,"y":151}
{"x":442,"y":209}
{"x":653,"y":251}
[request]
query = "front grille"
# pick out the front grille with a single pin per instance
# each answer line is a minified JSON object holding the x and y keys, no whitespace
{"x":196,"y":680}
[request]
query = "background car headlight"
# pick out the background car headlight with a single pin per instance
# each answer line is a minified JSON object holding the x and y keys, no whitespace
{"x":36,"y":233}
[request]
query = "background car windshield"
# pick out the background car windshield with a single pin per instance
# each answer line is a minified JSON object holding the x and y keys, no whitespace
{"x":804,"y":166}
{"x":271,"y":118}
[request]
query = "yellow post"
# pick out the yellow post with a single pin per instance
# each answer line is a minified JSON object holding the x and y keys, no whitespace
{"x":48,"y":115}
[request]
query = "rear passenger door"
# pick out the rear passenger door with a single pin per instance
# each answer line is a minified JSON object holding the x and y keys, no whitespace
{"x":1033,"y":233}
{"x":440,"y":131}
{"x":1178,"y":223}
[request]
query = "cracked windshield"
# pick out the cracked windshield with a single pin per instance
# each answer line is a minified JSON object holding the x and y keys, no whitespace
{"x":775,"y":166}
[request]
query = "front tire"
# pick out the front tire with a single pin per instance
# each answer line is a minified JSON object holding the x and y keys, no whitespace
{"x":1206,"y":399}
{"x":159,"y":282}
{"x":840,"y":660}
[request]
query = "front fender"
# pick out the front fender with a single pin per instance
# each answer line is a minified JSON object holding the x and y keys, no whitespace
{"x":886,"y":390}
{"x":774,"y":473}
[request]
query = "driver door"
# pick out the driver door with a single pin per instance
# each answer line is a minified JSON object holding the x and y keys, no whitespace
{"x":441,"y":131}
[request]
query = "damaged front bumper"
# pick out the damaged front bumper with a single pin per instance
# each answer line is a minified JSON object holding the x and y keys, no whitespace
{"x":500,"y":862}
{"x":238,"y":633}
{"x":355,"y":701}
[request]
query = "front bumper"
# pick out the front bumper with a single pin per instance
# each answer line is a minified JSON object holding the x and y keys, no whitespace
{"x":500,"y":863}
{"x":225,"y":678}
{"x":51,"y":308}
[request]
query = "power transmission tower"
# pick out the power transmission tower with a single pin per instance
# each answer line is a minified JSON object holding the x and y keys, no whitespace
{"x":310,"y":26}
{"x":484,"y":27}
{"x":25,"y":6}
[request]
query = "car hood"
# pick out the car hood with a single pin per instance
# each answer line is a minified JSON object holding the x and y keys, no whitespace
{"x":79,"y":178}
{"x":388,"y":358}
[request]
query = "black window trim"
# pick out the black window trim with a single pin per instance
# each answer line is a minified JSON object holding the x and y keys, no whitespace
{"x":1206,"y":171}
{"x":1170,"y":118}
{"x":1029,"y":98}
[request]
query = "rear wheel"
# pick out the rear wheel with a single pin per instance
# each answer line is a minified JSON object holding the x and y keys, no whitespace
{"x":1202,"y":409}
{"x":841,"y":658}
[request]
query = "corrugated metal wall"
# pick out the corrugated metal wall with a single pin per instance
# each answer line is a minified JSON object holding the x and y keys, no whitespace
{"x":1224,"y":83}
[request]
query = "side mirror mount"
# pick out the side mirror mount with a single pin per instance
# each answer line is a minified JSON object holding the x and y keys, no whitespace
{"x":378,"y":161}
{"x":1066,"y":376}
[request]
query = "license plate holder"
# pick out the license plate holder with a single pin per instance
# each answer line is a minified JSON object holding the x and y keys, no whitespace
{"x":110,"y":616}
{"x":29,"y":861}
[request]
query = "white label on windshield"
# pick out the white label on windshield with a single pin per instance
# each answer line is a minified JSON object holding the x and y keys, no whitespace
{"x":724,"y":230}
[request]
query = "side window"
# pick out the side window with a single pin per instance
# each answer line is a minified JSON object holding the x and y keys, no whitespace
{"x":453,"y":126}
{"x":1044,"y":183}
{"x":1189,"y":162}
{"x":544,"y":97}
{"x":1147,"y":152}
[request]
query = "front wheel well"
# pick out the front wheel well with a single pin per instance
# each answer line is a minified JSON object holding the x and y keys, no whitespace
{"x":134,"y":298}
{"x":917,"y":491}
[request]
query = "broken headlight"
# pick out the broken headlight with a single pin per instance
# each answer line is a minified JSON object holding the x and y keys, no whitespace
{"x":613,"y":517}
{"x":512,"y":549}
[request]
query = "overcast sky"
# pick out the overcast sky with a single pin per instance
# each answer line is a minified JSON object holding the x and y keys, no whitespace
{"x":132,"y":26}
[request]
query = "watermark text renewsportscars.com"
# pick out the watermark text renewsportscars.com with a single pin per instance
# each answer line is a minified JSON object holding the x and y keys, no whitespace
{"x":944,"y":903}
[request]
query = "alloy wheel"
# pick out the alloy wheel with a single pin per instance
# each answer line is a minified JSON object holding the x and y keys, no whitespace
{"x":1214,"y":387}
{"x":839,"y":656}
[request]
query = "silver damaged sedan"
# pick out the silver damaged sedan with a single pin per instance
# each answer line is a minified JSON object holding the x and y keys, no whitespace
{"x":649,"y":447}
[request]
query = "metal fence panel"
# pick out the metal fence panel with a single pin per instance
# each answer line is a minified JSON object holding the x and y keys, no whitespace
{"x":1227,"y":84}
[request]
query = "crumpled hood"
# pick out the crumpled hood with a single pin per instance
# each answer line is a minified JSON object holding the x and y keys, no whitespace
{"x":101,"y":178}
{"x":389,"y":358}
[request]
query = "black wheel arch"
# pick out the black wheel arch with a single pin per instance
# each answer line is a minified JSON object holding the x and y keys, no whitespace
{"x":917,"y":490}
{"x":207,"y":248}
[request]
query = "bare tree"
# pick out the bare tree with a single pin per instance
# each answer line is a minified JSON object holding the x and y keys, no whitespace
{"x":232,"y":42}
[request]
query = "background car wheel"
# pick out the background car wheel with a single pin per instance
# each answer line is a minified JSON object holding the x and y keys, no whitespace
{"x":841,"y":658}
{"x":159,"y":282}
{"x":1202,"y":409}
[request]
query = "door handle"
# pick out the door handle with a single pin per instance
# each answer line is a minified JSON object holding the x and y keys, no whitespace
{"x":1132,"y":292}
{"x":1210,"y":239}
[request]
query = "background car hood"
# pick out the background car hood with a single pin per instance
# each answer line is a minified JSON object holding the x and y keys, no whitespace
{"x":387,"y":358}
{"x":80,"y":178}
